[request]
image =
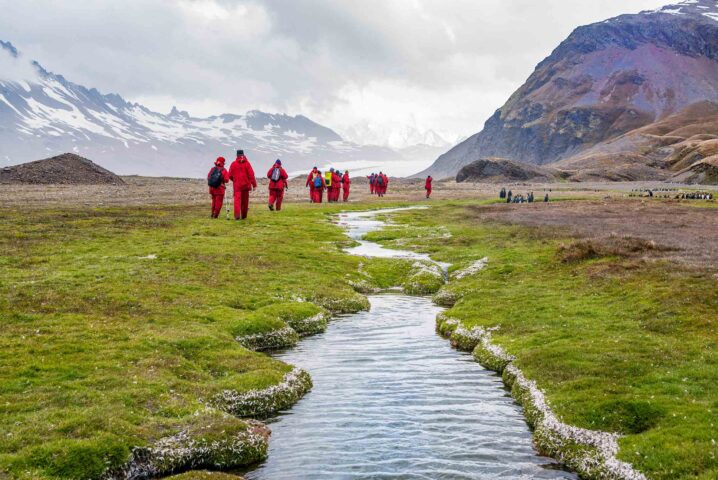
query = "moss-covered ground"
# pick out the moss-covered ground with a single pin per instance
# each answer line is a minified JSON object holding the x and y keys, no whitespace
{"x":118,"y":323}
{"x":618,"y":343}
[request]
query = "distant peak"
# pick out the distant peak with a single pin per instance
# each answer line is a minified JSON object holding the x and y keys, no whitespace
{"x":178,"y":113}
{"x":10,"y":48}
{"x":705,"y":8}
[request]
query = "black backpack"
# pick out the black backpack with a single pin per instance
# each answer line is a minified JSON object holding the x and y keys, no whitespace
{"x":216,"y":178}
{"x":380,"y":180}
{"x":276,"y":174}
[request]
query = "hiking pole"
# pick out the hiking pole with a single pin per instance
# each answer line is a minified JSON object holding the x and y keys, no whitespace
{"x":226,"y":207}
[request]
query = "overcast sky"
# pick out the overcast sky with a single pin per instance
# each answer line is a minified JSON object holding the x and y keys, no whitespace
{"x":441,"y":64}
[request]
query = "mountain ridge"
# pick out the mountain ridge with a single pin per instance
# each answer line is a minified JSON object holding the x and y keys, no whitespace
{"x":605,"y":80}
{"x":51,"y":115}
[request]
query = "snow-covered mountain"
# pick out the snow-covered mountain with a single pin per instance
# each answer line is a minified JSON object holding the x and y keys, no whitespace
{"x":396,"y":136}
{"x":43,"y":114}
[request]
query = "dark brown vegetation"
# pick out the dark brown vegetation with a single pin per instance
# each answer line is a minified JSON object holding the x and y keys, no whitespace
{"x":625,"y":228}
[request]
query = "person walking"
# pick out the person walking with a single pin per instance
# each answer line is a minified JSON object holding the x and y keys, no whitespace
{"x":277,"y":184}
{"x":346,"y":183}
{"x":329,"y":185}
{"x":310,"y":183}
{"x":381,"y":184}
{"x":243,"y":181}
{"x":371,"y":183}
{"x":427,"y":186}
{"x":337,"y":184}
{"x":319,"y":187}
{"x":217,"y":178}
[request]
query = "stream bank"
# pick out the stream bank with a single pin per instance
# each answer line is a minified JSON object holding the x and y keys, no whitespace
{"x":391,"y":399}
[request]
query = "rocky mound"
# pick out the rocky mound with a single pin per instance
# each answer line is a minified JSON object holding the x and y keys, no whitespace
{"x":65,"y":169}
{"x":603,"y":81}
{"x":500,"y":170}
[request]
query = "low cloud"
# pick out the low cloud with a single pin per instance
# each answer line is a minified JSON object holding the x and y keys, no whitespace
{"x":445,"y":65}
{"x":16,"y":69}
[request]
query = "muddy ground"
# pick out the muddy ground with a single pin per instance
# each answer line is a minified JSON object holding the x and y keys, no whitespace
{"x":689,"y":233}
{"x":681,"y":230}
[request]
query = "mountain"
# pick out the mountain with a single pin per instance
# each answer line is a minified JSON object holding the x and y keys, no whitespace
{"x":604,"y":81}
{"x":47,"y":115}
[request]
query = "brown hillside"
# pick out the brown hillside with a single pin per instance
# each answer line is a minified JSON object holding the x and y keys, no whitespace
{"x":65,"y":169}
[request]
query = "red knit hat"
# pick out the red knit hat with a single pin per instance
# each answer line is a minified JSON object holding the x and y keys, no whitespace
{"x":220,"y":161}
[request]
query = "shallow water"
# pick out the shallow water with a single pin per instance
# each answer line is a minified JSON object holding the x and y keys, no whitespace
{"x":391,"y":399}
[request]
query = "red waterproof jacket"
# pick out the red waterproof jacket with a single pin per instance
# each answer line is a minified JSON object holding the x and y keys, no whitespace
{"x":281,"y":183}
{"x":310,"y":179}
{"x":428,"y":183}
{"x":225,"y":179}
{"x":242,"y":175}
{"x":346,"y":181}
{"x":336,"y":180}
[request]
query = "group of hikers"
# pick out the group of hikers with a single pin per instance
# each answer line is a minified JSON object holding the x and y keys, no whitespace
{"x":519,"y":198}
{"x":241,"y":174}
{"x":333,"y":181}
{"x":378,"y":184}
{"x":243,"y":180}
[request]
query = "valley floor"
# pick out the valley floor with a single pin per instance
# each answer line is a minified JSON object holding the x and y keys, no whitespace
{"x":121,"y":307}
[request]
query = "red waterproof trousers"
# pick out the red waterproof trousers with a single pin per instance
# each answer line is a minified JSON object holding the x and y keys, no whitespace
{"x":241,"y":204}
{"x":275,"y":198}
{"x":346,"y":193}
{"x":217,"y":201}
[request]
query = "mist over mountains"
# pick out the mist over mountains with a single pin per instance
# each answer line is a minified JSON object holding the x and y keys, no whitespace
{"x":44,"y":114}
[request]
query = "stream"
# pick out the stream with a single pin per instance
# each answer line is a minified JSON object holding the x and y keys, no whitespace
{"x":393,"y":400}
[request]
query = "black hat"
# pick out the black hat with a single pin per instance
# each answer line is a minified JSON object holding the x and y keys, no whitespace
{"x":240,"y":153}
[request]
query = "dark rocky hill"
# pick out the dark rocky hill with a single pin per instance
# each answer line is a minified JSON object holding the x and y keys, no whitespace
{"x":603,"y":81}
{"x":66,"y":169}
{"x":499,"y":170}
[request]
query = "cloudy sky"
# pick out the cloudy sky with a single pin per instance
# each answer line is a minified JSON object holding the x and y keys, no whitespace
{"x":444,"y":65}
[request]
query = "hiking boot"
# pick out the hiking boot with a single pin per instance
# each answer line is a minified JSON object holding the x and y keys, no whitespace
{"x":271,"y":207}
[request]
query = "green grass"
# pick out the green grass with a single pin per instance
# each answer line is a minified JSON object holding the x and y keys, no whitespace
{"x":116,"y":323}
{"x":617,"y":344}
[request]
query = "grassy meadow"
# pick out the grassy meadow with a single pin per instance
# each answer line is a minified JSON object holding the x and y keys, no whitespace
{"x":119,"y":324}
{"x":617,"y":343}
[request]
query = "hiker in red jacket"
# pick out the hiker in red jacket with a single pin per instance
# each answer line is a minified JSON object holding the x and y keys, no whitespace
{"x":371,"y":179}
{"x":315,"y":186}
{"x":242,"y":176}
{"x":337,"y":184}
{"x":381,"y":181}
{"x":277,"y":184}
{"x":217,"y":185}
{"x":346,"y":182}
{"x":427,"y":186}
